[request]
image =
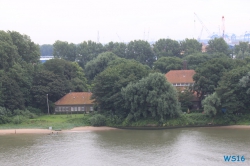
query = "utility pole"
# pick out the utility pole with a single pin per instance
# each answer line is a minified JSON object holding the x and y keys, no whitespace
{"x":48,"y":103}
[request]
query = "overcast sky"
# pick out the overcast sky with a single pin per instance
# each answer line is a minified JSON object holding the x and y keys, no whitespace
{"x":46,"y":21}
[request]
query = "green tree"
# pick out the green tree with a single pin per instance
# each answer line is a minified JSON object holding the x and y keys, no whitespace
{"x":209,"y":74}
{"x":217,"y":45}
{"x":22,"y":74}
{"x":243,"y":47}
{"x":241,"y":55}
{"x":28,"y":50}
{"x":153,"y":97}
{"x":8,"y":51}
{"x":232,"y":94}
{"x":140,"y":51}
{"x":46,"y":50}
{"x":185,"y":98}
{"x":86,"y":51}
{"x":70,"y":72}
{"x":108,"y":85}
{"x":190,"y":46}
{"x":245,"y":82}
{"x":46,"y":82}
{"x":98,"y":64}
{"x":11,"y":94}
{"x":167,"y":47}
{"x":165,"y":64}
{"x":211,"y":104}
{"x":118,"y":49}
{"x":64,"y":50}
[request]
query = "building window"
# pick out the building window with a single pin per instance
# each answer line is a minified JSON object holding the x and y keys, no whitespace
{"x":79,"y":109}
{"x":60,"y":109}
{"x":75,"y":108}
{"x":72,"y":108}
{"x":82,"y":109}
{"x":91,"y":108}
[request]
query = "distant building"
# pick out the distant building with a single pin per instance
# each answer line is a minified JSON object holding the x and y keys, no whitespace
{"x":181,"y":80}
{"x":74,"y":102}
{"x":45,"y":58}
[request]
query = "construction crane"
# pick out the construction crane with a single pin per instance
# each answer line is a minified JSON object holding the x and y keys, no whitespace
{"x":203,"y":26}
{"x":223,"y":27}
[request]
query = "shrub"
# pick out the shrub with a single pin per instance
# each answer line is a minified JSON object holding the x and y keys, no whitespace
{"x":18,"y":119}
{"x":4,"y":119}
{"x":97,"y":120}
{"x":34,"y":110}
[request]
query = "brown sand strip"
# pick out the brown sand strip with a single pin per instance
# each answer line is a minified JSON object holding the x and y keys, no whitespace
{"x":47,"y":131}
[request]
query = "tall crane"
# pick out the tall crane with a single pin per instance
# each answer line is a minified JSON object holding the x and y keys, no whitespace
{"x":203,"y":25}
{"x":223,"y":27}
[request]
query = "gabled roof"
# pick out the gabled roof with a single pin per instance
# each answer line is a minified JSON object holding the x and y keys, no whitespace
{"x":180,"y":76}
{"x":75,"y":98}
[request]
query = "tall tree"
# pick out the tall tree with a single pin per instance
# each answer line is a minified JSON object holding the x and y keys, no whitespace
{"x":217,"y":45}
{"x":70,"y":72}
{"x":152,"y":96}
{"x":64,"y":50}
{"x":108,"y":85}
{"x":211,"y":104}
{"x":28,"y":50}
{"x":98,"y":64}
{"x":232,"y":94}
{"x":209,"y":74}
{"x":118,"y":49}
{"x":86,"y":51}
{"x":8,"y":51}
{"x":194,"y":60}
{"x":243,"y":47}
{"x":167,"y":47}
{"x":141,"y":51}
{"x":46,"y":50}
{"x":190,"y":46}
{"x":165,"y":64}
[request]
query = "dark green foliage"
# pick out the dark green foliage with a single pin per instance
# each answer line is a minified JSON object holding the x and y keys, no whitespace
{"x":232,"y":94}
{"x":8,"y":51}
{"x":86,"y":51}
{"x":108,"y":85}
{"x":194,"y":60}
{"x":190,"y":46}
{"x":97,"y":65}
{"x":153,"y":97}
{"x":167,"y":47}
{"x":97,"y":120}
{"x":46,"y":50}
{"x":209,"y":74}
{"x":27,"y":50}
{"x":245,"y":82}
{"x":140,"y":51}
{"x":242,"y":47}
{"x":217,"y":45}
{"x":211,"y":104}
{"x":64,"y":50}
{"x":118,"y":49}
{"x":185,"y":98}
{"x":165,"y":64}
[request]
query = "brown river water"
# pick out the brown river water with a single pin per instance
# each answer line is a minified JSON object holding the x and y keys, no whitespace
{"x":173,"y":147}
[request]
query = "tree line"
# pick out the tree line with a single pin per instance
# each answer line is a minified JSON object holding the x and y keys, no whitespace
{"x":127,"y":80}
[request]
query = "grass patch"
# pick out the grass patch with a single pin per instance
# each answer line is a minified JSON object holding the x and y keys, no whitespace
{"x":57,"y":122}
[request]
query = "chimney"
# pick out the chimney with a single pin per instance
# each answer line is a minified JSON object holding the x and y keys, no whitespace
{"x":184,"y":67}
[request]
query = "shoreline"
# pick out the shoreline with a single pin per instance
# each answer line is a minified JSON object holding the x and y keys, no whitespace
{"x":91,"y":128}
{"x":48,"y":131}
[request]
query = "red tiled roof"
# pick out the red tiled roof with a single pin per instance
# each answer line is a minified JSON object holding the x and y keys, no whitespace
{"x":180,"y":76}
{"x":75,"y":98}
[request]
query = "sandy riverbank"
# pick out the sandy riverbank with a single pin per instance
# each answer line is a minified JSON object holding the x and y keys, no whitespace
{"x":47,"y":131}
{"x":235,"y":127}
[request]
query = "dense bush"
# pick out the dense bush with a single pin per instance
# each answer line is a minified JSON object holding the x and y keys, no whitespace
{"x":97,"y":120}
